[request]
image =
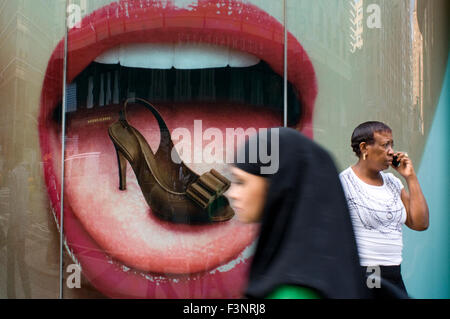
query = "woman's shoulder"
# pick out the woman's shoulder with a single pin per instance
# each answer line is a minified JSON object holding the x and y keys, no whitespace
{"x":389,"y":177}
{"x":346,"y":172}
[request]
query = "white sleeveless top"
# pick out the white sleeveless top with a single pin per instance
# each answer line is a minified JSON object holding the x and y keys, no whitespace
{"x":377,"y":214}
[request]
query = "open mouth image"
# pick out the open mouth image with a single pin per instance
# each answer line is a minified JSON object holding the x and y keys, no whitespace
{"x":217,"y":61}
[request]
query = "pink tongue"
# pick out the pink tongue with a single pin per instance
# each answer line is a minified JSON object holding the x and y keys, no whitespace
{"x":121,"y":221}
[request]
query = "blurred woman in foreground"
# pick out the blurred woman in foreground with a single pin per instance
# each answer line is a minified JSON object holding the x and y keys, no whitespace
{"x":306,"y":247}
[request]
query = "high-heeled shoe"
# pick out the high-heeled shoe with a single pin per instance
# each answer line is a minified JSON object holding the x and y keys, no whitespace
{"x":173,"y":191}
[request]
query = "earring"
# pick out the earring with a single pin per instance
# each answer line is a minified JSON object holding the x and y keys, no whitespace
{"x":364,"y":156}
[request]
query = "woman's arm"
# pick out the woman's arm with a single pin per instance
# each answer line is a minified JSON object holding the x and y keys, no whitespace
{"x":417,"y":214}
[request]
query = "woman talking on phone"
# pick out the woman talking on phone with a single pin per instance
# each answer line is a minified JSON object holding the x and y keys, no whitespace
{"x":379,"y":205}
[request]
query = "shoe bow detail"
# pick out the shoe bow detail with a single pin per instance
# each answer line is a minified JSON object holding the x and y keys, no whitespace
{"x":207,"y":188}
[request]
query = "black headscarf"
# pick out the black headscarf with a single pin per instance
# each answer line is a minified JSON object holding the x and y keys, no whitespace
{"x":306,"y":235}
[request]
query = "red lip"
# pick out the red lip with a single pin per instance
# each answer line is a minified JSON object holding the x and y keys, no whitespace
{"x":247,"y":28}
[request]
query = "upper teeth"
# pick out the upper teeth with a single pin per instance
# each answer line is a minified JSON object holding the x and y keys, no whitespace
{"x":179,"y":56}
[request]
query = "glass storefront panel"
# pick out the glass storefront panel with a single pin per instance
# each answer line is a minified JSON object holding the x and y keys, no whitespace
{"x":196,"y":78}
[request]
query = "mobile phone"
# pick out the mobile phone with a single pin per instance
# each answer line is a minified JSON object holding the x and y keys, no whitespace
{"x":395,"y":161}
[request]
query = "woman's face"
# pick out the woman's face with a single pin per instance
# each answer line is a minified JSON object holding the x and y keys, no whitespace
{"x":380,"y":152}
{"x":248,"y":193}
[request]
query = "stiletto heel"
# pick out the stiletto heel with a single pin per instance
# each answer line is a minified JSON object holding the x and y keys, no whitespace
{"x":122,"y":165}
{"x":173,"y":191}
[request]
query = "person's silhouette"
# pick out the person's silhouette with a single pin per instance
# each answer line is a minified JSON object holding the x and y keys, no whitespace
{"x":17,"y":227}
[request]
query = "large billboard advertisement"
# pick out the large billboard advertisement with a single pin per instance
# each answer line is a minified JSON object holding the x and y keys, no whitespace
{"x":158,"y":95}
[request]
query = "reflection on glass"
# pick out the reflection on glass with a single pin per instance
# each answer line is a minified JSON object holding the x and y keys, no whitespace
{"x":28,"y":261}
{"x":18,"y":225}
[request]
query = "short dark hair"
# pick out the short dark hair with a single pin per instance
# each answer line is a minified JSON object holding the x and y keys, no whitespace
{"x":364,"y":133}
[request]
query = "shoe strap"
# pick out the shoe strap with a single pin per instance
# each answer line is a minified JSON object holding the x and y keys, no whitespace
{"x":207,"y":188}
{"x":166,"y":139}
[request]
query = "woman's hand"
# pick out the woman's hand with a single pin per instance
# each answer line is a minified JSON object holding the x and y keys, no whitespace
{"x":417,"y":214}
{"x":406,"y":168}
